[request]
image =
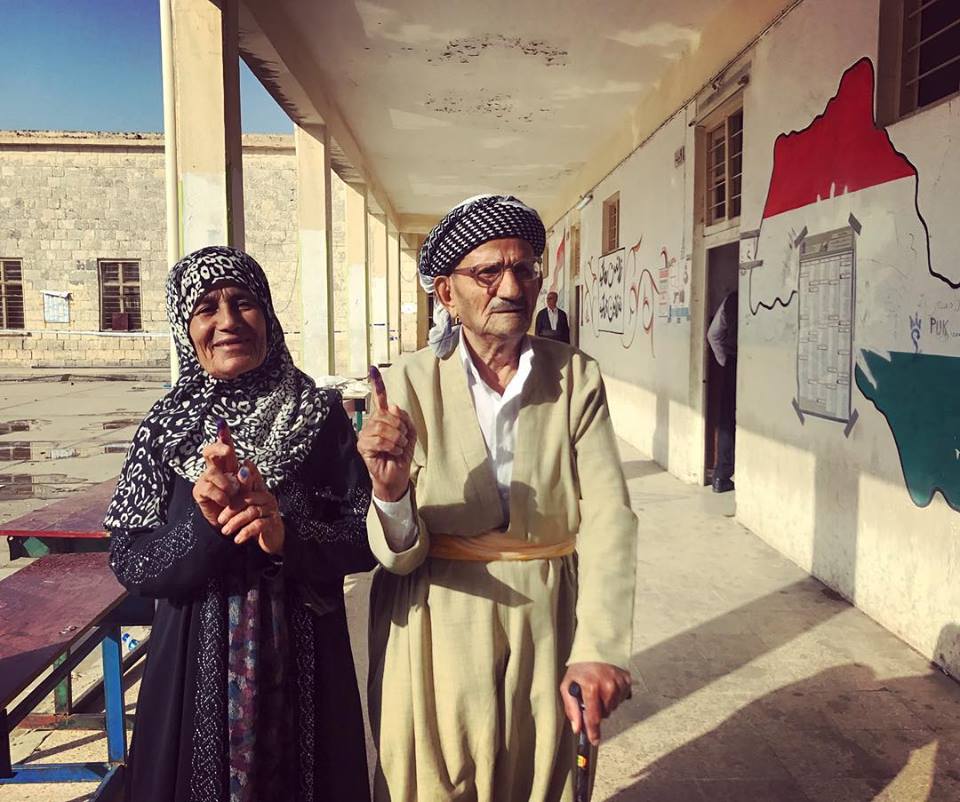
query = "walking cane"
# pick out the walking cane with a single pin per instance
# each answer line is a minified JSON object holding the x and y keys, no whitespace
{"x":584,"y":769}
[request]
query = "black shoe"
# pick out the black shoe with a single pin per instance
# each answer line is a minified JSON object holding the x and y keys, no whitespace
{"x":722,"y":485}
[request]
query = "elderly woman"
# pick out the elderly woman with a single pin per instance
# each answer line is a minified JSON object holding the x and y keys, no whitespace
{"x":240,"y":508}
{"x":502,"y":519}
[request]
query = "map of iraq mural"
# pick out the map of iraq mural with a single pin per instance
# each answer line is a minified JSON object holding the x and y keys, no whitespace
{"x":844,"y":245}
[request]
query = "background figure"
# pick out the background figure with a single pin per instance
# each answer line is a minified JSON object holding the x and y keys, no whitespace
{"x":722,"y":337}
{"x":552,"y":321}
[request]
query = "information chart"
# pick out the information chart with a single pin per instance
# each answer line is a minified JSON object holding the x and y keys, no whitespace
{"x":825,"y":342}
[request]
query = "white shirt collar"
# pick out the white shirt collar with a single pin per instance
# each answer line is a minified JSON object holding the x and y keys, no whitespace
{"x":516,"y":384}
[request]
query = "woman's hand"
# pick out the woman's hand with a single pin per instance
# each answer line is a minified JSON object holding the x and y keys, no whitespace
{"x":216,"y":486}
{"x":254,"y":513}
{"x":604,"y":687}
{"x":386,"y":444}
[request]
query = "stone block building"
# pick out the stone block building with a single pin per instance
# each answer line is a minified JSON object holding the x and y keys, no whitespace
{"x":82,"y":245}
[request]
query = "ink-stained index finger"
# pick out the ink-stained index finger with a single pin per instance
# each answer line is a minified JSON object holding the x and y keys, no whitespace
{"x":379,"y":389}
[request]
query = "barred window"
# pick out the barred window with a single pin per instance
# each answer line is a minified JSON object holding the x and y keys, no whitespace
{"x":919,"y":55}
{"x":120,"y":296}
{"x":11,"y":293}
{"x":724,"y":169}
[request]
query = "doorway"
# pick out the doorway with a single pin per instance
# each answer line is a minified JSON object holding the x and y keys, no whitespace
{"x":723,"y":264}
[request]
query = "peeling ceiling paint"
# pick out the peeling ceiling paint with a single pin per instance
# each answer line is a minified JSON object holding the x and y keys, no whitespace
{"x":449,"y":99}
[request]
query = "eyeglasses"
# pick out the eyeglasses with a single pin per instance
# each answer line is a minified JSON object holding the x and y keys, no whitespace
{"x":524,"y":271}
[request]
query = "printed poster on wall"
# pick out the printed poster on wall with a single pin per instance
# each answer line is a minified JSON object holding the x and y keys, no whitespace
{"x":610,"y":291}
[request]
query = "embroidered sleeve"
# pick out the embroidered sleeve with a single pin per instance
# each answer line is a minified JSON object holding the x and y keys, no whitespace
{"x":325,"y":508}
{"x":174,"y":560}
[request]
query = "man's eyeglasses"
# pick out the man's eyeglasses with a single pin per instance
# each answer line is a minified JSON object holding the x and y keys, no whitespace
{"x":524,"y":271}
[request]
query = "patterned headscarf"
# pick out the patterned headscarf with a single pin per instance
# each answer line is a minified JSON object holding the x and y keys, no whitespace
{"x":466,"y":226}
{"x":274,"y":411}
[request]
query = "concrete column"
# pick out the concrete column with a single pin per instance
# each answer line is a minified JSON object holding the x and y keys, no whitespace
{"x":206,"y":77}
{"x":393,"y":292}
{"x":358,"y":280}
{"x":413,"y":300}
{"x":315,"y":221}
{"x":379,"y":312}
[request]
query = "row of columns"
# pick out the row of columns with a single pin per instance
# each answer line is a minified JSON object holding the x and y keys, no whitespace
{"x":201,"y":58}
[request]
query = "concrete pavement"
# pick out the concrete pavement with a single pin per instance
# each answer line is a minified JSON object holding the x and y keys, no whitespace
{"x":753,"y":682}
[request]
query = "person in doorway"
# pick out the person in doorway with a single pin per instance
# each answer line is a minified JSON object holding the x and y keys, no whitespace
{"x":502,"y":521}
{"x":552,"y":321}
{"x":722,"y":337}
{"x":241,"y":507}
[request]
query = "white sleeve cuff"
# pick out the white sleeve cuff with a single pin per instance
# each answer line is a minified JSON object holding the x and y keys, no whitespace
{"x":398,"y":521}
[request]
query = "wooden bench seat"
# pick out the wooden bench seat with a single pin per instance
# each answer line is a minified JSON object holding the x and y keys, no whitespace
{"x":56,"y":611}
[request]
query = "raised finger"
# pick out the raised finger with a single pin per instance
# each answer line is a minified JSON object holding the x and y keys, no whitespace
{"x":221,"y":456}
{"x":379,"y":389}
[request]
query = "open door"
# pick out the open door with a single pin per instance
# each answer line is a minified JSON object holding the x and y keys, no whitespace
{"x":722,"y":279}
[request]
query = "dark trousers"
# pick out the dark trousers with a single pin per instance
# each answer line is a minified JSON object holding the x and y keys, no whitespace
{"x":726,"y":422}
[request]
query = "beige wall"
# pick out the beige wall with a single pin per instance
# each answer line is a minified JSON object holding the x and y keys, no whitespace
{"x":68,"y":200}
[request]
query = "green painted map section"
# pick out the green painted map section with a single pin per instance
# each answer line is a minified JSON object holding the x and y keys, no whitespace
{"x":919,"y":395}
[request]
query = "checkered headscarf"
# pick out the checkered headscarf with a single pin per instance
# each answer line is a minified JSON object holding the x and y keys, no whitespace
{"x":466,"y":226}
{"x":476,"y":221}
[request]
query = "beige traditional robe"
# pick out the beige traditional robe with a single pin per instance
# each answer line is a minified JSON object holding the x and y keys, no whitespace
{"x":466,"y":658}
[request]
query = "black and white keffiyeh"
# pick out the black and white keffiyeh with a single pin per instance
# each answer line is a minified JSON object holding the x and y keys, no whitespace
{"x":473,"y":222}
{"x":274,"y":412}
{"x":466,"y":226}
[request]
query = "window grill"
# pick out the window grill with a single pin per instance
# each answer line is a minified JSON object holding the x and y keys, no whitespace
{"x":930,"y":60}
{"x":120,"y":296}
{"x":11,"y":293}
{"x":919,"y":56}
{"x":724,"y":169}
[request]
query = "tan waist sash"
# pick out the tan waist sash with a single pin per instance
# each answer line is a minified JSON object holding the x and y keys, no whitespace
{"x":493,"y":546}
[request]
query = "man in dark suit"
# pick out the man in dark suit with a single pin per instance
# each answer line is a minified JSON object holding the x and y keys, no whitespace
{"x":552,"y":322}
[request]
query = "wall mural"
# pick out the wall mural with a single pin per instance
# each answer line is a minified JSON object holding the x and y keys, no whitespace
{"x":843,"y":242}
{"x":621,"y":296}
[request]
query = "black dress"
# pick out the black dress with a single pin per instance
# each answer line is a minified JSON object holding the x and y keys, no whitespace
{"x":309,"y":740}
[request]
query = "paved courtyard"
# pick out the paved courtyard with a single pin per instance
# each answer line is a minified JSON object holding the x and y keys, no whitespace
{"x":753,"y":682}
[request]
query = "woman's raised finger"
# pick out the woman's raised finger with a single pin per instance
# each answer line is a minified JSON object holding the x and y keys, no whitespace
{"x":216,"y":454}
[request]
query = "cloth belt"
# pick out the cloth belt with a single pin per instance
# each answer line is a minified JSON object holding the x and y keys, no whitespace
{"x":494,"y":546}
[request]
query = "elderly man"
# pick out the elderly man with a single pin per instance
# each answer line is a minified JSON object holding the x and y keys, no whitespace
{"x":502,"y":523}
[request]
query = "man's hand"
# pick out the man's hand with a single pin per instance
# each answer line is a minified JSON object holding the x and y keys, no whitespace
{"x":386,"y":444}
{"x":604,"y":687}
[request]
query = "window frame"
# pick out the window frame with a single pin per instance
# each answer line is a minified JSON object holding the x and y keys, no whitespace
{"x":895,"y":78}
{"x":731,"y":182}
{"x":610,"y":239}
{"x":106,"y":324}
{"x":5,"y":284}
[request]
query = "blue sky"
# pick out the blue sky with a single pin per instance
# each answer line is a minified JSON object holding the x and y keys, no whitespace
{"x":94,"y":65}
